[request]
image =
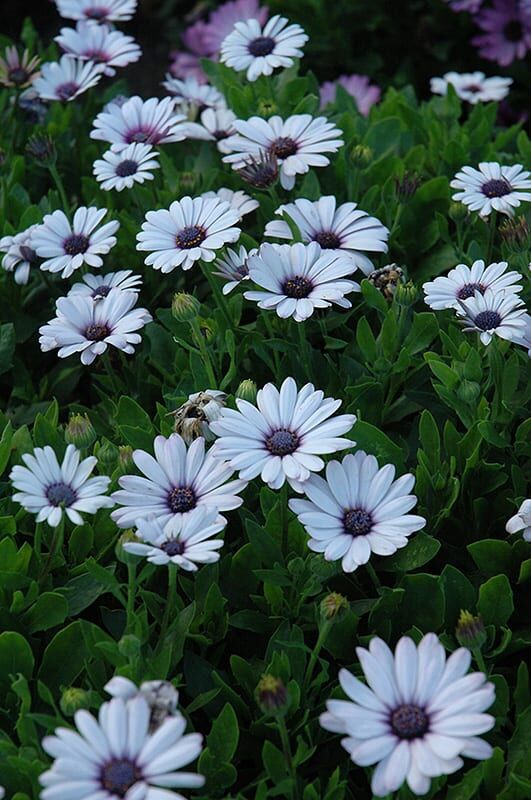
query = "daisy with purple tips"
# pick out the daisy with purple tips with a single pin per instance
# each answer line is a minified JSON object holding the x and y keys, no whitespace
{"x":100,"y":44}
{"x":150,"y":121}
{"x":67,"y":79}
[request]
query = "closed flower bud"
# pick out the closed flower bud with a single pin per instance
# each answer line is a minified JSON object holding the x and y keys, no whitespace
{"x":129,"y":646}
{"x":187,"y":181}
{"x":457,"y":212}
{"x":333,"y":605}
{"x":125,"y":458}
{"x":80,"y":431}
{"x":266,"y":108}
{"x":361,"y":155}
{"x":73,"y":700}
{"x":515,"y":233}
{"x":406,"y":186}
{"x":107,"y":455}
{"x":184,"y":307}
{"x":247,"y":391}
{"x":42,"y":148}
{"x":406,"y":294}
{"x":272,"y":695}
{"x":470,"y":631}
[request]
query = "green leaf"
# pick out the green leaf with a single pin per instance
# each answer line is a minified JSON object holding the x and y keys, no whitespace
{"x":15,"y":657}
{"x":223,"y":738}
{"x":49,"y":610}
{"x":423,"y":602}
{"x":495,"y":602}
{"x":459,"y":594}
{"x":420,"y":549}
{"x":375,"y":441}
{"x":491,"y":556}
{"x":7,"y":346}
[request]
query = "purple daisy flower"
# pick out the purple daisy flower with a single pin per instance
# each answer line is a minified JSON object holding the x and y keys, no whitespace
{"x":358,"y":86}
{"x":506,"y":31}
{"x":465,"y":5}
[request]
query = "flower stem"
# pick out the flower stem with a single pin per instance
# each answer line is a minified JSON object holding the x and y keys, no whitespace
{"x":304,"y":348}
{"x":60,"y":187}
{"x":323,"y":633}
{"x":219,"y":296}
{"x":131,"y":594}
{"x":283,"y":500}
{"x":170,"y":603}
{"x":56,"y":545}
{"x":286,"y":749}
{"x":492,"y":234}
{"x":374,"y":577}
{"x":200,"y":341}
{"x":480,"y":661}
{"x":111,"y":373}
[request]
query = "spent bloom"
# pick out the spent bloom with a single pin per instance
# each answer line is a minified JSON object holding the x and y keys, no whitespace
{"x":474,"y":87}
{"x":48,"y":489}
{"x":358,"y":86}
{"x":100,"y":44}
{"x":192,"y":418}
{"x":462,"y":282}
{"x":492,"y":187}
{"x":150,"y":121}
{"x":506,"y":31}
{"x":493,"y":314}
{"x":521,"y":521}
{"x":99,"y":10}
{"x":258,"y":50}
{"x":19,"y":254}
{"x":121,"y":170}
{"x":17,"y":70}
{"x":66,"y":79}
{"x":358,"y":510}
{"x":418,"y":716}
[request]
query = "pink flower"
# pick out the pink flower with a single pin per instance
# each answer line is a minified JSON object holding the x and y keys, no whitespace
{"x":358,"y":86}
{"x":465,"y":5}
{"x":194,"y":39}
{"x":222,"y":20}
{"x":186,"y":65}
{"x":506,"y":31}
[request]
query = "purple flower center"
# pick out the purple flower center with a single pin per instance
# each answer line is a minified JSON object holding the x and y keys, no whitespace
{"x":173,"y":547}
{"x":357,"y":522}
{"x":261,"y":46}
{"x":189,"y":237}
{"x":498,"y":187}
{"x":66,"y":90}
{"x":283,"y":147}
{"x":75,"y":244}
{"x":282,"y":442}
{"x":60,"y":494}
{"x":126,"y":168}
{"x":141,"y":135}
{"x":219,"y":135}
{"x":101,"y":291}
{"x":119,"y":775}
{"x":27,"y":253}
{"x":469,"y":289}
{"x":98,"y":12}
{"x":297,"y":287}
{"x":18,"y":75}
{"x":328,"y":240}
{"x":181,"y":499}
{"x":513,"y":30}
{"x":487,"y":320}
{"x":242,"y":271}
{"x":409,"y":721}
{"x":473,"y":87}
{"x":99,"y":56}
{"x":97,"y":332}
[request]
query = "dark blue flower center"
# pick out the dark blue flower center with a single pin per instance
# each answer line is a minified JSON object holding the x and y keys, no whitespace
{"x":469,"y":289}
{"x":75,"y":244}
{"x":498,"y":187}
{"x":173,"y":547}
{"x":297,"y":287}
{"x":27,"y":253}
{"x":282,"y":442}
{"x":487,"y":320}
{"x":18,"y":75}
{"x":99,"y":12}
{"x":261,"y":46}
{"x":66,"y":90}
{"x":61,"y":494}
{"x":357,"y":522}
{"x":126,"y":168}
{"x":97,"y":332}
{"x":283,"y":147}
{"x":189,"y":237}
{"x":119,"y":776}
{"x":220,"y":134}
{"x":140,"y":135}
{"x":409,"y":721}
{"x":181,"y":499}
{"x":328,"y":240}
{"x":101,"y":291}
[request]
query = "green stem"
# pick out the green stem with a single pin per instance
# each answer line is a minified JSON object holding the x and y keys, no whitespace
{"x":60,"y":187}
{"x":304,"y":348}
{"x":492,"y":234}
{"x":221,"y":302}
{"x":56,"y":544}
{"x":283,"y":499}
{"x":170,"y":603}
{"x":274,"y":196}
{"x":323,"y":633}
{"x":480,"y":661}
{"x":286,"y":749}
{"x":111,"y":373}
{"x":374,"y":577}
{"x":396,"y":220}
{"x":131,"y":594}
{"x":271,"y":334}
{"x":205,"y":355}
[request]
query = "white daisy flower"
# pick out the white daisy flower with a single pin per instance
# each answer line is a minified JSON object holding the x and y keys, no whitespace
{"x":239,"y":201}
{"x":462,"y":282}
{"x":493,"y":314}
{"x":299,"y":278}
{"x":233,"y":267}
{"x":259,"y":50}
{"x":19,"y":254}
{"x":185,"y":542}
{"x":417,"y":717}
{"x":2,"y":792}
{"x":150,"y":121}
{"x":176,"y":481}
{"x":521,"y":521}
{"x":47,"y":488}
{"x":474,"y":87}
{"x":83,"y":326}
{"x":358,"y":510}
{"x":116,"y":756}
{"x":345,"y":229}
{"x":98,"y":286}
{"x":215,"y":125}
{"x":299,"y":142}
{"x":67,"y":245}
{"x":523,"y":335}
{"x":283,"y":437}
{"x":492,"y":187}
{"x":66,"y":79}
{"x":121,"y":170}
{"x":99,"y":10}
{"x":191,"y":97}
{"x":161,"y":696}
{"x":100,"y":44}
{"x":191,"y":229}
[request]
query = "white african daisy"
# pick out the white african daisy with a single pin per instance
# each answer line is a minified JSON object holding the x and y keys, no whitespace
{"x":185,"y":542}
{"x":190,"y":96}
{"x":259,"y":50}
{"x":523,"y":335}
{"x":521,"y":521}
{"x":66,"y":79}
{"x":116,"y":756}
{"x":283,"y":437}
{"x":67,"y":245}
{"x":345,"y":228}
{"x":176,"y":481}
{"x":191,"y":229}
{"x":233,"y":267}
{"x":462,"y":282}
{"x":121,"y":170}
{"x":474,"y":87}
{"x":239,"y":201}
{"x":19,"y":254}
{"x":215,"y":125}
{"x":299,"y":278}
{"x":98,"y":286}
{"x":100,"y":44}
{"x":150,"y":121}
{"x":99,"y":10}
{"x":419,"y":714}
{"x":357,"y":510}
{"x":47,"y":488}
{"x":83,"y":326}
{"x":493,"y":314}
{"x":299,"y":142}
{"x":492,"y":187}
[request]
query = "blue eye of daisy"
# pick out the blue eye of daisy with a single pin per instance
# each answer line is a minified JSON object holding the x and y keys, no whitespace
{"x":75,"y":244}
{"x":18,"y":75}
{"x":220,"y":134}
{"x":66,"y":90}
{"x":328,"y":240}
{"x":469,"y":289}
{"x":28,"y":253}
{"x":189,"y":237}
{"x":101,"y":291}
{"x":497,"y":187}
{"x":61,"y":494}
{"x":297,"y":287}
{"x":283,"y":147}
{"x":126,"y":168}
{"x":409,"y":721}
{"x":357,"y":522}
{"x":96,"y":13}
{"x":181,"y":499}
{"x":487,"y":320}
{"x":282,"y":442}
{"x":173,"y":547}
{"x":118,"y":776}
{"x":96,"y":333}
{"x":261,"y":46}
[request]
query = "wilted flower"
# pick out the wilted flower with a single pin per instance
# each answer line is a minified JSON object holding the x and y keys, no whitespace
{"x":272,"y":695}
{"x":161,"y":696}
{"x":387,"y":279}
{"x":41,"y":147}
{"x":16,"y":70}
{"x":515,"y":232}
{"x":260,"y":171}
{"x":192,"y":418}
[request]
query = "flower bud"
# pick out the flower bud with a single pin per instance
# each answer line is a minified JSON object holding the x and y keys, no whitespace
{"x":457,"y":212}
{"x":185,"y":307}
{"x":406,"y":186}
{"x":80,"y":431}
{"x":247,"y":391}
{"x":266,"y":108}
{"x":406,"y":294}
{"x":272,"y":695}
{"x":515,"y":233}
{"x":125,"y":458}
{"x":129,"y":646}
{"x":42,"y":148}
{"x":333,"y":606}
{"x":107,"y":455}
{"x":121,"y":553}
{"x":261,"y":172}
{"x":361,"y":155}
{"x":187,"y":181}
{"x":73,"y":700}
{"x":470,"y":631}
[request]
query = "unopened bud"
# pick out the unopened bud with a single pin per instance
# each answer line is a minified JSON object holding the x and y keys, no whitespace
{"x":187,"y":181}
{"x":107,"y":455}
{"x":129,"y":646}
{"x":333,"y":605}
{"x":406,"y":186}
{"x":125,"y":458}
{"x":361,"y":155}
{"x":80,"y":431}
{"x":457,"y":212}
{"x":515,"y":233}
{"x":73,"y":700}
{"x":185,"y":307}
{"x":261,"y":171}
{"x":266,"y":108}
{"x":42,"y":148}
{"x":406,"y":294}
{"x":246,"y":391}
{"x":470,"y":631}
{"x":272,"y":695}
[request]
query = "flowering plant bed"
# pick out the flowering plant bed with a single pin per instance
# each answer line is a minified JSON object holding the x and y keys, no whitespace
{"x":264,"y":433}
